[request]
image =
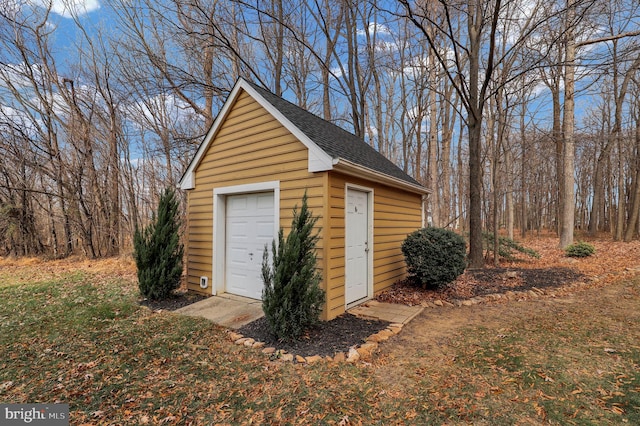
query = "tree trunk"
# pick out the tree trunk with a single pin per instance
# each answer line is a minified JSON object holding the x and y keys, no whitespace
{"x":568,"y":153}
{"x":433,"y":144}
{"x":635,"y":198}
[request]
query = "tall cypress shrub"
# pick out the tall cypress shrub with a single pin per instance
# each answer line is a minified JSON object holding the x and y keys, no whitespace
{"x":292,"y":298}
{"x":158,"y":250}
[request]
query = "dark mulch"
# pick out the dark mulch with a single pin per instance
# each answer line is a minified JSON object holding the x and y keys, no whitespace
{"x":177,"y":300}
{"x":492,"y":280}
{"x":328,"y":338}
{"x":482,"y":282}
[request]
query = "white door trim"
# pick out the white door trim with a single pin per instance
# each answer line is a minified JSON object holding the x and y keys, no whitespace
{"x":220,"y":220}
{"x":370,"y":257}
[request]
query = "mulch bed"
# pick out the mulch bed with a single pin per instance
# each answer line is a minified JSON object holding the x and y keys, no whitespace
{"x":328,"y":338}
{"x":481,"y":282}
{"x":346,"y":331}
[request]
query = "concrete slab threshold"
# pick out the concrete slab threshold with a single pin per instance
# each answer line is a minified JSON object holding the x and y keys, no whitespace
{"x":233,"y":311}
{"x":391,"y":312}
{"x":227,"y":310}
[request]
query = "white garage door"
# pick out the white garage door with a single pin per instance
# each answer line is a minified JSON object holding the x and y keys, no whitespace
{"x":249,"y":226}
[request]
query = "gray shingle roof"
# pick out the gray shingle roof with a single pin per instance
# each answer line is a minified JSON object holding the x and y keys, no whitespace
{"x":335,"y":141}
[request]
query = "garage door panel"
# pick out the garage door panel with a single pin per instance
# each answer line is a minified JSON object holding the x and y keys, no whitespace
{"x":249,"y":226}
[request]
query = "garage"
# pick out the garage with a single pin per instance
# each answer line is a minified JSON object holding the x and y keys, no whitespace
{"x":259,"y":159}
{"x":249,"y":226}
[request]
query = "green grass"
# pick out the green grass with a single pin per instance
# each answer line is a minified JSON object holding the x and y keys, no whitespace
{"x":82,"y":339}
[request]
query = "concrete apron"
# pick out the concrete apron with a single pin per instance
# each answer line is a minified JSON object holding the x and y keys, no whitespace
{"x":227,"y":310}
{"x":233,"y":311}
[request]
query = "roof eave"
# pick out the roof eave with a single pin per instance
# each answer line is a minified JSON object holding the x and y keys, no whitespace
{"x":353,"y":169}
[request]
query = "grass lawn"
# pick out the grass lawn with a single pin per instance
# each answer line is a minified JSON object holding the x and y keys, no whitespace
{"x":78,"y":336}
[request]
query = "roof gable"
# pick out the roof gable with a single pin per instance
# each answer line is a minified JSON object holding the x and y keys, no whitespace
{"x":330,"y":147}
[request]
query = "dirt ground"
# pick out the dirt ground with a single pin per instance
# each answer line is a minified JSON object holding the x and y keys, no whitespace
{"x":552,"y":272}
{"x":595,"y":287}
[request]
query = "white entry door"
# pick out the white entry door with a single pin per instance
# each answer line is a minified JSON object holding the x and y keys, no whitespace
{"x":249,"y":226}
{"x":357,"y":246}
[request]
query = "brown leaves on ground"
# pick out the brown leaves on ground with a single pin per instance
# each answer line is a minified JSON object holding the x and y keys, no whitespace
{"x":553,"y":271}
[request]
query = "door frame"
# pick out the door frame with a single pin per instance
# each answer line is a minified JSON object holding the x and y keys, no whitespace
{"x":370,"y":234}
{"x":220,"y":224}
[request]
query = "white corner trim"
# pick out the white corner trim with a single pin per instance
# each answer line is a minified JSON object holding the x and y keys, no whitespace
{"x":220,"y":220}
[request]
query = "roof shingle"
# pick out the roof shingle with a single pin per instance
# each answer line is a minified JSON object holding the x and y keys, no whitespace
{"x":334,"y":140}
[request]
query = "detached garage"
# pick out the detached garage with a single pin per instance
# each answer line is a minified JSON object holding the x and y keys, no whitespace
{"x":256,"y":162}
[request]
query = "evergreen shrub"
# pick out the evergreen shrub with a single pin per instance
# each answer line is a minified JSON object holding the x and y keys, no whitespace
{"x":434,"y":256}
{"x":580,"y":249}
{"x":292,"y":299}
{"x":158,"y":251}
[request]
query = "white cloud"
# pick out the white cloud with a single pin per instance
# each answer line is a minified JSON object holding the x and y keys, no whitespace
{"x":13,"y":119}
{"x":64,"y":8}
{"x":70,"y":8}
{"x":18,"y":75}
{"x":165,"y":108}
{"x":375,"y":28}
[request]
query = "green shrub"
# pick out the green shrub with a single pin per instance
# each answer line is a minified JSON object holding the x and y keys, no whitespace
{"x":292,"y":298}
{"x":434,"y":256}
{"x":158,"y":250}
{"x":580,"y":249}
{"x":506,"y":247}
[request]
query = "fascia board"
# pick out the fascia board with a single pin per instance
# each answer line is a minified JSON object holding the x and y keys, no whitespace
{"x":352,"y":169}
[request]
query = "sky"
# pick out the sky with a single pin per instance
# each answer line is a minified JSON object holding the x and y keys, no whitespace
{"x":94,"y":14}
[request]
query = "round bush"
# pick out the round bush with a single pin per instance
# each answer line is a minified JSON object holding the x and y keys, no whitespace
{"x":579,"y":249}
{"x":434,"y":256}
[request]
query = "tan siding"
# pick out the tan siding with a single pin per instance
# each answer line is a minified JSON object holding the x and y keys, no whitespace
{"x":396,"y":214}
{"x":249,"y":147}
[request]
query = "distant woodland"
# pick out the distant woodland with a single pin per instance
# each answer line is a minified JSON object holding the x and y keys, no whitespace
{"x":522,"y":115}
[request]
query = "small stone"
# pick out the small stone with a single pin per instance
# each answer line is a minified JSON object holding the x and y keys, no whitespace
{"x":300,"y":359}
{"x":366,"y":350}
{"x":427,"y":304}
{"x":377,"y":338}
{"x":467,"y":303}
{"x":533,"y":294}
{"x":287,"y":357}
{"x":241,"y":341}
{"x":353,"y":356}
{"x":457,"y":303}
{"x":268,"y":351}
{"x":249,"y":342}
{"x":235,"y":336}
{"x":258,"y":345}
{"x":511,"y":274}
{"x":339,"y":357}
{"x":438,"y":303}
{"x":312,"y":359}
{"x":449,"y":304}
{"x":394,"y":330}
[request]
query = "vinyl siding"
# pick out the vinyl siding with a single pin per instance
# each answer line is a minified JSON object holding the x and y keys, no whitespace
{"x":249,"y":147}
{"x":396,"y":213}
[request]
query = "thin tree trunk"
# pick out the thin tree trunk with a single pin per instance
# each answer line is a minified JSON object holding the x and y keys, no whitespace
{"x":568,"y":204}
